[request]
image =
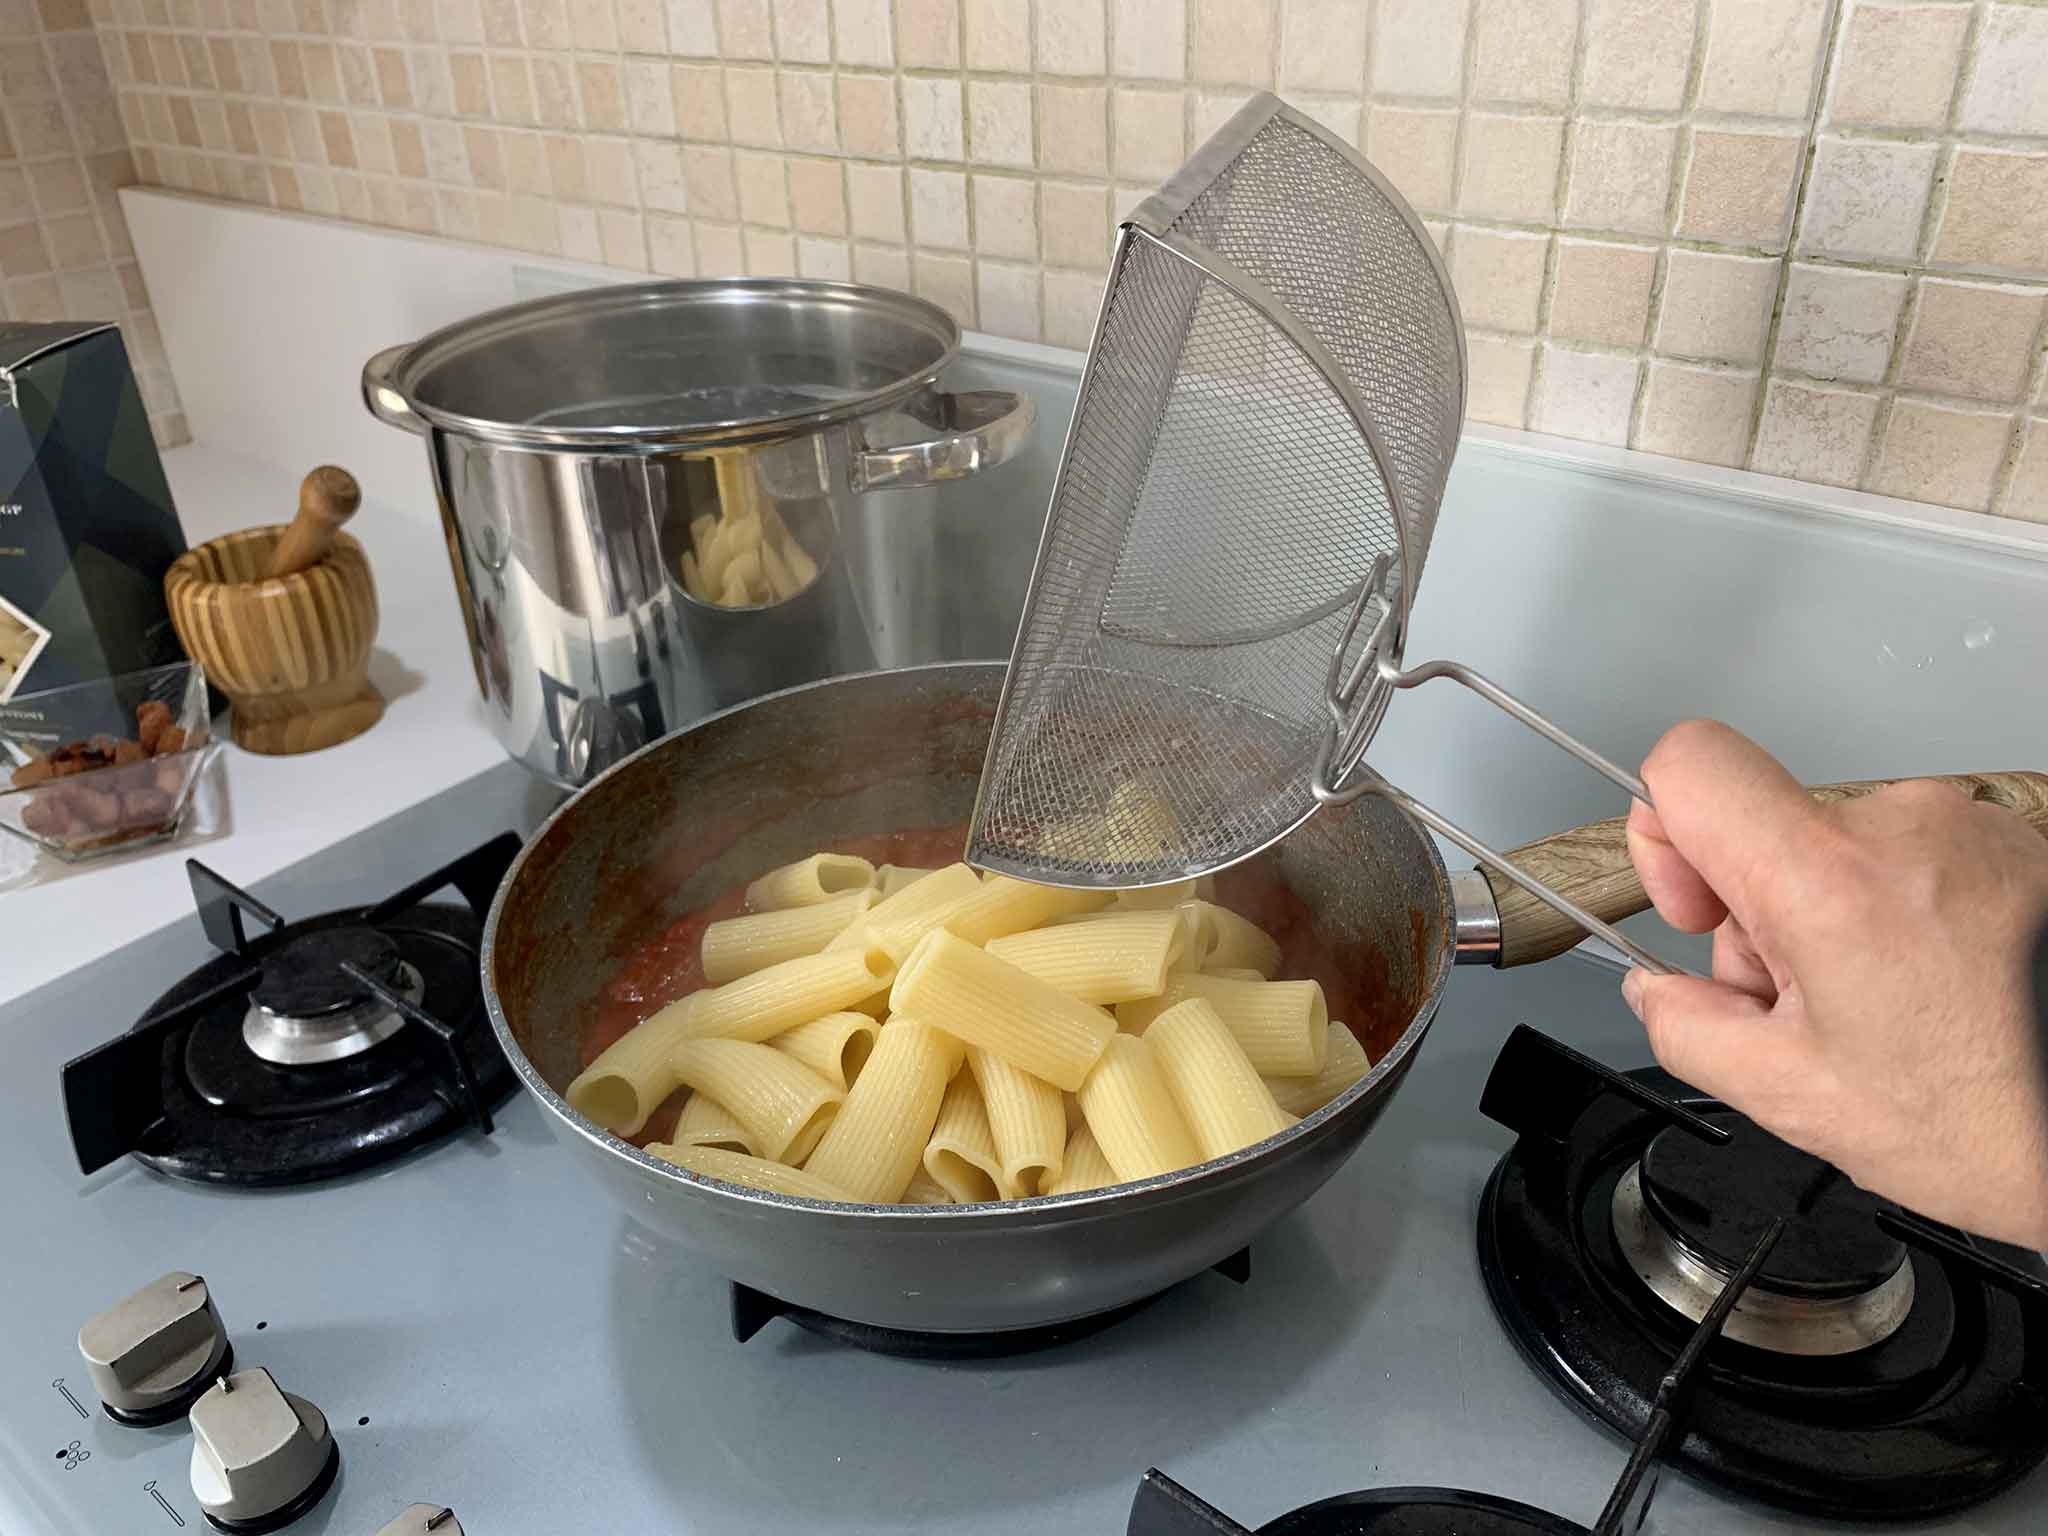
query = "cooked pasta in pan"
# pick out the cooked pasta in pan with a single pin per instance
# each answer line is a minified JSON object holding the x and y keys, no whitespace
{"x":882,"y":1033}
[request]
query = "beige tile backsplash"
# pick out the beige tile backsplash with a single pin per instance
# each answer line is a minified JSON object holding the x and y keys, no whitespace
{"x":1806,"y":236}
{"x":64,"y":251}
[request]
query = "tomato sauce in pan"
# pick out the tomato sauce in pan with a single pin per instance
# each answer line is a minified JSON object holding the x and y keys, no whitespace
{"x":1354,"y":976}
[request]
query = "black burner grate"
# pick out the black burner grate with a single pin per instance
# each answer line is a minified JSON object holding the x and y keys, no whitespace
{"x":1941,"y":1413}
{"x":183,"y":1093}
{"x":754,"y":1310}
{"x":1164,"y":1508}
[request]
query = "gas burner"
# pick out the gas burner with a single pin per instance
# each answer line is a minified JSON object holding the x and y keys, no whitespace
{"x":306,"y":1009}
{"x":1874,"y":1366}
{"x":753,"y":1310}
{"x":313,"y":1048}
{"x":1837,"y":1282}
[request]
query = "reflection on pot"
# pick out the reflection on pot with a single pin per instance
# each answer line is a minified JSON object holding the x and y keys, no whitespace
{"x":667,"y":498}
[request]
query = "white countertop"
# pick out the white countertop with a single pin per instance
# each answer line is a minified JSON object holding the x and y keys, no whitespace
{"x":268,"y":812}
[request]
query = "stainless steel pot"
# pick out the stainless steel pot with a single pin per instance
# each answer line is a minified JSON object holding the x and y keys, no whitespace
{"x":690,"y":817}
{"x":576,"y":440}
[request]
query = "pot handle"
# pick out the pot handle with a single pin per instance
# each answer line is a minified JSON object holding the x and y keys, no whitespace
{"x":977,"y":429}
{"x":383,"y":398}
{"x":1590,"y":864}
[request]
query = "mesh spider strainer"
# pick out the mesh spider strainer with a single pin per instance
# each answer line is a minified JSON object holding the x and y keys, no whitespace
{"x":1216,"y":620}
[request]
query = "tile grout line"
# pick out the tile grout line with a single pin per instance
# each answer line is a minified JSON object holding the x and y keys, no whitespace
{"x":2016,"y":439}
{"x":1925,"y":238}
{"x":1553,"y":258}
{"x":1674,"y":203}
{"x":1834,"y":25}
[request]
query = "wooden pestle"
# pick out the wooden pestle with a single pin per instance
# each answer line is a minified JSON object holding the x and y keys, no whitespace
{"x":328,"y":497}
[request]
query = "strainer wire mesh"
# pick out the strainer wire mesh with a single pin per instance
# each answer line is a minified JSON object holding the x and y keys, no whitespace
{"x":1250,"y":484}
{"x":1271,"y":403}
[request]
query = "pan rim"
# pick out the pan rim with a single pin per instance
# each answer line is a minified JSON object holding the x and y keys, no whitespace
{"x":992,"y":1214}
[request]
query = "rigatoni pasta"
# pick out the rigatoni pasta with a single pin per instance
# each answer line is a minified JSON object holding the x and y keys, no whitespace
{"x":1003,"y":906}
{"x":631,"y":1076}
{"x":1153,"y":897}
{"x":1283,"y":1026}
{"x":809,"y":881}
{"x":987,"y":1002}
{"x":1225,"y":1103}
{"x":891,"y":878}
{"x":1083,"y":1167}
{"x":877,"y":1140}
{"x":961,"y":1154}
{"x":901,"y":1035}
{"x":1027,"y":1118}
{"x":739,"y":946}
{"x":1132,"y":1111}
{"x":763,"y":1005}
{"x":705,"y":1122}
{"x":1229,"y":941}
{"x":923,"y":1189}
{"x":1113,"y":958}
{"x":835,"y":1047}
{"x":897,"y":922}
{"x":752,"y":1172}
{"x":783,"y":1106}
{"x":1343,"y":1064}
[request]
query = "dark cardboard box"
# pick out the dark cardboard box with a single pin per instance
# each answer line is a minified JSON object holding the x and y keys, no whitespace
{"x":87,"y":528}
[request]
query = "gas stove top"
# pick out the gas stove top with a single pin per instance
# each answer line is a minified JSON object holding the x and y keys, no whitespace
{"x":478,"y":1333}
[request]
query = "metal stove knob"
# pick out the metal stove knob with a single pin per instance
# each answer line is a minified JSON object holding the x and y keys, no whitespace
{"x":424,"y":1520}
{"x":261,"y":1456}
{"x":152,"y":1354}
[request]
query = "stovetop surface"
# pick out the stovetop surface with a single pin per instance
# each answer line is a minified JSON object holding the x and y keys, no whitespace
{"x":483,"y":1328}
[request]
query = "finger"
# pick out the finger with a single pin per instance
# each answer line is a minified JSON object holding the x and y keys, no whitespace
{"x":1717,"y":1038}
{"x":1737,"y":963}
{"x":1734,"y":816}
{"x":1682,"y":898}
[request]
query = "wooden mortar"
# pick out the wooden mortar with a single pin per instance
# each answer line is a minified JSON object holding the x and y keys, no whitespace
{"x":282,"y":618}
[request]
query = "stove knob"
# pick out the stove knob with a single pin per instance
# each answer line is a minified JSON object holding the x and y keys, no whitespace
{"x":425,"y":1520}
{"x":261,"y":1456}
{"x":151,"y":1355}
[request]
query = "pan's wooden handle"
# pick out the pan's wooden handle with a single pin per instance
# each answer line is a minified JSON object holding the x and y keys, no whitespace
{"x":328,"y":497}
{"x":1590,"y":864}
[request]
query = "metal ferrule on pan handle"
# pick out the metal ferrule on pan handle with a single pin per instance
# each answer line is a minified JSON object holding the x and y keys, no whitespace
{"x":1356,"y":697}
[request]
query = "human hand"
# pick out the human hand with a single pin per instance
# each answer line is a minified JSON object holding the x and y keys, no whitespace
{"x":1872,"y":999}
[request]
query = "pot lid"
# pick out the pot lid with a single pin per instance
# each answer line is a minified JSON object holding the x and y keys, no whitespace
{"x":672,"y":364}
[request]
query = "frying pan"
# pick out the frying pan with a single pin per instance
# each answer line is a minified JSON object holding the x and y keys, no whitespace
{"x":688,"y":818}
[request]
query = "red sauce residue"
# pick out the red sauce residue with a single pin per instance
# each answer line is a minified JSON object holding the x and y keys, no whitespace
{"x":1355,"y":977}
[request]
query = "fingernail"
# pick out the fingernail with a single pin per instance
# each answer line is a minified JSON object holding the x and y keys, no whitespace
{"x":1632,"y":990}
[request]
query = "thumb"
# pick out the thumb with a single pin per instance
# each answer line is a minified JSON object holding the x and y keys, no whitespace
{"x":1719,"y":1039}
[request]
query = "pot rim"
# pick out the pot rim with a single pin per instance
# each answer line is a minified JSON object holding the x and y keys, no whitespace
{"x":1161,"y":1189}
{"x":399,"y":369}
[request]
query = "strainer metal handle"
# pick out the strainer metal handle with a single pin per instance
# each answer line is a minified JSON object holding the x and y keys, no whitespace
{"x":1341,"y":777}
